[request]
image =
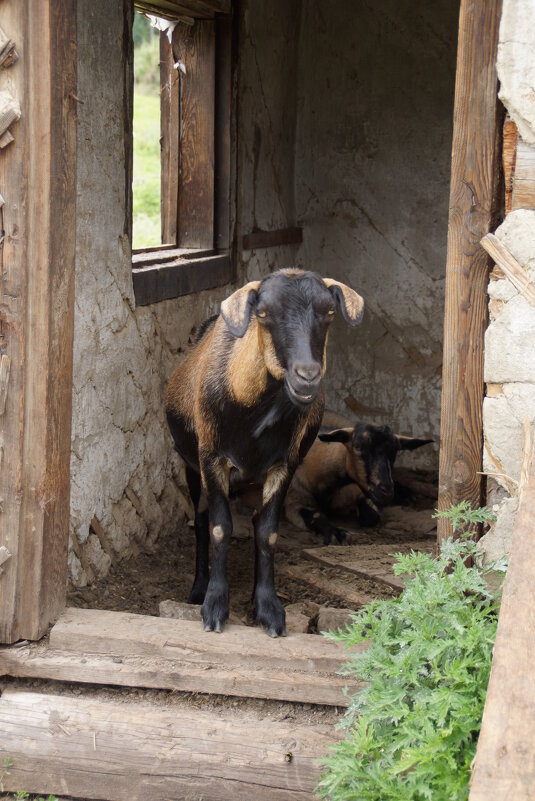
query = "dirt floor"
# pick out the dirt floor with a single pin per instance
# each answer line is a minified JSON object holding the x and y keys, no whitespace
{"x":141,"y":583}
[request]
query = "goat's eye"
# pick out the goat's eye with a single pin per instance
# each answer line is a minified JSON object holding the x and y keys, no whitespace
{"x":330,"y":312}
{"x":261,"y":314}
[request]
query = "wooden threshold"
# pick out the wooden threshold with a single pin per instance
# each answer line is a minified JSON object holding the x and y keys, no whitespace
{"x":137,"y":751}
{"x":118,"y":648}
{"x":183,"y":276}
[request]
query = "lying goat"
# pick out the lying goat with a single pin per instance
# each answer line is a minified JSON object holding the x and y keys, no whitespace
{"x":245,"y":405}
{"x":346,"y":471}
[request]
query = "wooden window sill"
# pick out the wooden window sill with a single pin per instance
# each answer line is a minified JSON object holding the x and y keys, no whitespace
{"x":168,"y":272}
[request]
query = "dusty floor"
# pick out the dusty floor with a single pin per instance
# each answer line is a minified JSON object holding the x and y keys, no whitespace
{"x":140,"y":583}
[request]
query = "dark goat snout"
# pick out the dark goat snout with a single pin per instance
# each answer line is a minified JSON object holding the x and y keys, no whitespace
{"x":382,"y":494}
{"x":303,"y":381}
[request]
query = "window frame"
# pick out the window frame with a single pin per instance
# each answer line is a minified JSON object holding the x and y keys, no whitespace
{"x":196,"y":192}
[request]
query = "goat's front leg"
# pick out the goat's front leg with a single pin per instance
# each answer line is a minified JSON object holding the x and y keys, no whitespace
{"x":268,"y":610}
{"x":215,"y":608}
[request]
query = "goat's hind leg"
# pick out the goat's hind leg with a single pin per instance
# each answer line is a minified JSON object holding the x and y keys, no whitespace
{"x":202,"y":537}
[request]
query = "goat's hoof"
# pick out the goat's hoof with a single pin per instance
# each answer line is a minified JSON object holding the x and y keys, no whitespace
{"x":269,"y":613}
{"x":341,"y":536}
{"x":215,"y":609}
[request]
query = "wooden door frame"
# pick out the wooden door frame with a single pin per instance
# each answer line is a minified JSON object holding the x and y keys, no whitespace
{"x":473,"y":212}
{"x":38,"y":183}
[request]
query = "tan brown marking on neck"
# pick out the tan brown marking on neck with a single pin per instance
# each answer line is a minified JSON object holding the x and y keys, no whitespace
{"x":246,"y":369}
{"x":267,"y":348}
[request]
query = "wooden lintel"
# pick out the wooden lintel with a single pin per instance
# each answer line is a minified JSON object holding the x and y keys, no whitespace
{"x":87,"y":747}
{"x":473,"y":211}
{"x":270,"y":239}
{"x":173,"y":9}
{"x":503,"y":767}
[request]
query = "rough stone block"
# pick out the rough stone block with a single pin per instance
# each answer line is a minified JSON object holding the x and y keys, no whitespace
{"x":497,"y":541}
{"x":331,"y":619}
{"x":503,"y":417}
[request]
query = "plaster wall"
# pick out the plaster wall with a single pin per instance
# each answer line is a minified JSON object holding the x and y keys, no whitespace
{"x":509,"y":348}
{"x":373,"y":153}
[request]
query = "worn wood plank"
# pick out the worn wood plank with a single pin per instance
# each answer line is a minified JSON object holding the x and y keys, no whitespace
{"x":222,"y":123}
{"x":289,"y":684}
{"x":183,"y":277}
{"x":149,"y":257}
{"x":509,"y":265}
{"x":376,"y":568}
{"x":169,"y":140}
{"x":504,"y":767}
{"x":172,"y":9}
{"x":91,"y":631}
{"x":524,"y":177}
{"x":271,"y":239}
{"x":196,"y":46}
{"x":510,"y":141}
{"x":335,"y":587}
{"x":138,"y":751}
{"x":38,"y":179}
{"x":472,"y":211}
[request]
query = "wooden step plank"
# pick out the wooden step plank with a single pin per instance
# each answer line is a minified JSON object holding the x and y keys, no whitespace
{"x":103,"y":647}
{"x":333,"y":587}
{"x":139,"y":751}
{"x":36,"y":660}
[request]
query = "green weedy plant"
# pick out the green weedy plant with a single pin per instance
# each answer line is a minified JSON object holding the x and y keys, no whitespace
{"x":411,"y":733}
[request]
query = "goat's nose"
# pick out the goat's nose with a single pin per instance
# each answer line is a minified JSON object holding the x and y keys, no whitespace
{"x":308,"y":372}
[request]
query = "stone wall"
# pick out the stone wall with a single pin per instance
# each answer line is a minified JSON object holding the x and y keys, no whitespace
{"x":510,"y":338}
{"x":124,"y":473}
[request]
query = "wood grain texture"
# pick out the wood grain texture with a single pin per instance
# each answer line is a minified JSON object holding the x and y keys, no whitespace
{"x":37,"y":660}
{"x":222,"y":131}
{"x":38,"y":178}
{"x":91,"y":631}
{"x":509,"y":265}
{"x":202,"y":9}
{"x":504,"y":766}
{"x":524,"y":177}
{"x":473,"y":193}
{"x":138,"y":751}
{"x":196,"y":46}
{"x":510,"y":141}
{"x":182,"y":277}
{"x":169,"y":140}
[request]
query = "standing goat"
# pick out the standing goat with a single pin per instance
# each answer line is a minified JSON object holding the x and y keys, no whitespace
{"x":246,"y":405}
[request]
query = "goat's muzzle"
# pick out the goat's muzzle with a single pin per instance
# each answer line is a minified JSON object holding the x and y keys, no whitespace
{"x":303,"y":382}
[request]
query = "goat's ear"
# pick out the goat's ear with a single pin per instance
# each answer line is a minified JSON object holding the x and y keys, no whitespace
{"x":344,"y":435}
{"x":350,"y":302}
{"x":410,"y":443}
{"x":236,"y":310}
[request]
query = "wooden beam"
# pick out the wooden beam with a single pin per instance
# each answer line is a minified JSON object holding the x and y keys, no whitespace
{"x":172,"y":9}
{"x":182,"y":277}
{"x":196,"y":46}
{"x":272,"y":239}
{"x":169,"y":140}
{"x":504,"y":766}
{"x":223,"y":116}
{"x":138,"y":751}
{"x":38,"y":182}
{"x":510,"y":141}
{"x":509,"y":265}
{"x":524,"y":177}
{"x":473,"y":203}
{"x":117,"y":648}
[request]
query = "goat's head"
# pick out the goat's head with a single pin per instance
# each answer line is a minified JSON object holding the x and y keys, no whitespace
{"x":372,"y":451}
{"x":292,"y":310}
